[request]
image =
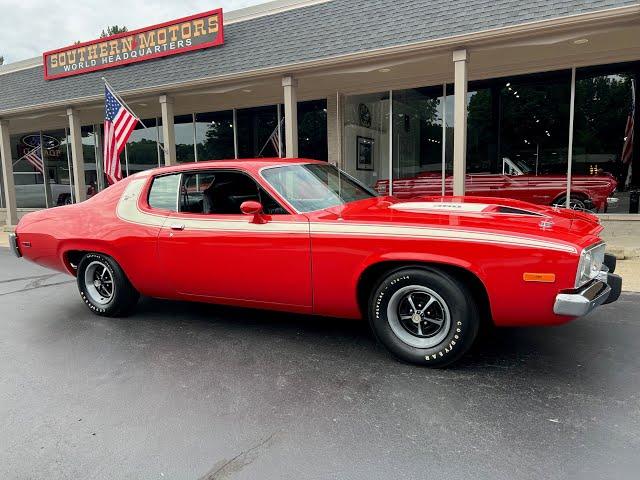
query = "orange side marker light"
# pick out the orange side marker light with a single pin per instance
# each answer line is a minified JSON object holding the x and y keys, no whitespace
{"x":539,"y":277}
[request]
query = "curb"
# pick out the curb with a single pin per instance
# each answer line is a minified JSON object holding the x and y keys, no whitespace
{"x":623,"y":253}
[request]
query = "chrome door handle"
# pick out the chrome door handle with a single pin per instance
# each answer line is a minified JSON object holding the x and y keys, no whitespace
{"x":177,"y":226}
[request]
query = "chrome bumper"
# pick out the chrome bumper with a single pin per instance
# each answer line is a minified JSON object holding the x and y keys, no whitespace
{"x":13,"y":244}
{"x":604,"y":289}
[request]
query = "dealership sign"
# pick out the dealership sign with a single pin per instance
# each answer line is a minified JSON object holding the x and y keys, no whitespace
{"x":190,"y":33}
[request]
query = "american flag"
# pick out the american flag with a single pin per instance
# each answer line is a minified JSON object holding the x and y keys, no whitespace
{"x":35,"y":159}
{"x":119,"y":122}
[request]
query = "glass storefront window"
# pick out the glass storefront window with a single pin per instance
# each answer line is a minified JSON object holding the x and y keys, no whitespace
{"x":185,"y":151}
{"x":418,"y":141}
{"x":214,"y":135}
{"x":312,"y":129}
{"x":142,"y":148}
{"x":41,"y":172}
{"x":257,"y":130}
{"x":518,"y":131}
{"x":366,"y":139}
{"x":603,"y":145}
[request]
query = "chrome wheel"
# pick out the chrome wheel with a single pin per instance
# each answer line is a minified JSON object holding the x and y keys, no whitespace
{"x":98,"y":282}
{"x":419,"y":316}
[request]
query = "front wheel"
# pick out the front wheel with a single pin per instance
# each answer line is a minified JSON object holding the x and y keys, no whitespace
{"x":104,"y":287}
{"x":424,"y":316}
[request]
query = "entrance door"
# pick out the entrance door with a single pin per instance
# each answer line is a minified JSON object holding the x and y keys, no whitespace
{"x":212,"y":250}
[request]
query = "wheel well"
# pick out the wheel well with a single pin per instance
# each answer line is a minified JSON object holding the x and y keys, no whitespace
{"x":72,"y":259}
{"x":577,"y":195}
{"x":375,"y":273}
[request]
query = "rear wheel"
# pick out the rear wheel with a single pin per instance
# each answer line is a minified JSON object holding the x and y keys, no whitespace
{"x":424,"y":316}
{"x":104,"y":287}
{"x":576,"y":202}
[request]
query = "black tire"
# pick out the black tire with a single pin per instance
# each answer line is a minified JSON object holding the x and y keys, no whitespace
{"x":116,"y":303}
{"x":448,"y":342}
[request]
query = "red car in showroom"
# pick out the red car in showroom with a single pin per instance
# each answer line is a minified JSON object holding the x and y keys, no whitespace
{"x":302,"y":236}
{"x":517,"y":180}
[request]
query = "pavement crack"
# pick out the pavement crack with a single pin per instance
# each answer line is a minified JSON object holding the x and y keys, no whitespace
{"x":35,"y":277}
{"x":36,"y":287}
{"x":237,"y":463}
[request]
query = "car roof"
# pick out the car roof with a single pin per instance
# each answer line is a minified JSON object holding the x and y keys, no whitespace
{"x":252,"y":164}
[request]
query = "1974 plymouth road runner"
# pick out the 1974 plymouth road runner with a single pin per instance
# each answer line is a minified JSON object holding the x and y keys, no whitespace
{"x":302,"y":236}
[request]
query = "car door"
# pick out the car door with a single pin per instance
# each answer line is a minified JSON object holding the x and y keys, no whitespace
{"x":212,"y":250}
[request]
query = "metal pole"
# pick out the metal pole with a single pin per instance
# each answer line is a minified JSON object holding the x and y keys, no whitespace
{"x":45,"y":174}
{"x":279,"y":131}
{"x":235,"y":134}
{"x":71,"y":180}
{"x":572,"y":107}
{"x":195,"y":137}
{"x":390,"y":143}
{"x":444,"y":138}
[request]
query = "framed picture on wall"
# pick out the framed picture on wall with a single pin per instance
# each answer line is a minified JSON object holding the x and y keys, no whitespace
{"x":365,"y":153}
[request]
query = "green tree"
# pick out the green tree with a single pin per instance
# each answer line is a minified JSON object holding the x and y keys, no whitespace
{"x":1,"y":59}
{"x":113,"y":30}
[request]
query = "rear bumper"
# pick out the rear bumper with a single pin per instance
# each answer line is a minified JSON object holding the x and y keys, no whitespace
{"x":604,"y":289}
{"x":13,"y":244}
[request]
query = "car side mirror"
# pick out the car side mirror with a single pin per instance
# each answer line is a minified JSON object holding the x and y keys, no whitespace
{"x":254,"y":208}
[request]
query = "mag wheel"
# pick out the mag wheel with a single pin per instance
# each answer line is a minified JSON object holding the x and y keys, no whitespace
{"x":104,"y":287}
{"x":424,"y":316}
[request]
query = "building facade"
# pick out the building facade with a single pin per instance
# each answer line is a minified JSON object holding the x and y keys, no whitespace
{"x":532,"y":100}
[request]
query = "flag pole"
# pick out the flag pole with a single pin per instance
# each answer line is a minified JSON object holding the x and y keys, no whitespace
{"x":120,"y":99}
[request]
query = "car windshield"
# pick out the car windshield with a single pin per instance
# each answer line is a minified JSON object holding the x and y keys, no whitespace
{"x":311,"y":187}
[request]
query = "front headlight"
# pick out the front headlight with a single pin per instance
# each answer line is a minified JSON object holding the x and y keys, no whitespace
{"x":591,"y":261}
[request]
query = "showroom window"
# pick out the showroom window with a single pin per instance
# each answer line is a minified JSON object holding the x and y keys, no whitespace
{"x":214,"y":135}
{"x":142,"y":149}
{"x":604,"y":140}
{"x":259,"y":131}
{"x":420,"y":141}
{"x":41,"y":169}
{"x":312,"y":130}
{"x":366,"y":139}
{"x":185,"y":140}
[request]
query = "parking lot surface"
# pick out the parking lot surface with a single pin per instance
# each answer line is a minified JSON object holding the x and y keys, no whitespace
{"x":203,"y":392}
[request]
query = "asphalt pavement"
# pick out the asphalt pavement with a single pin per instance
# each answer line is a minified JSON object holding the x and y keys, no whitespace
{"x":192,"y":391}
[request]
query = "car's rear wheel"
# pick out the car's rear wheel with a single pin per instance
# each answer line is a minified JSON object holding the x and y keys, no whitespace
{"x":424,"y":316}
{"x":104,"y":287}
{"x":576,"y":202}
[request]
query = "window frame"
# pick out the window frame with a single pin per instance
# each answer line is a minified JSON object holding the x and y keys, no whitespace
{"x":208,"y":170}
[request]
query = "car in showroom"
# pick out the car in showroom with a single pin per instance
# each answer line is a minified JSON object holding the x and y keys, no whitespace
{"x":592,"y":193}
{"x":302,"y":236}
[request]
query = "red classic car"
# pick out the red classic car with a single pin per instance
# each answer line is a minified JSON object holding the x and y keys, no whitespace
{"x":588,"y":192}
{"x":302,"y":236}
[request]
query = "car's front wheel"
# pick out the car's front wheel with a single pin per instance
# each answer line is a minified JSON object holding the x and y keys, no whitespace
{"x":424,"y":316}
{"x":104,"y":287}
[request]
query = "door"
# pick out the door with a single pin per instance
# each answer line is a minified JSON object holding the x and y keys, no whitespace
{"x":212,"y":250}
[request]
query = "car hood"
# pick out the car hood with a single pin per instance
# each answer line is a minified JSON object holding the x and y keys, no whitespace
{"x":475,"y":213}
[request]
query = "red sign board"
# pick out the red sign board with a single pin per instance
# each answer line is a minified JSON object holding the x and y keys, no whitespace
{"x":177,"y":36}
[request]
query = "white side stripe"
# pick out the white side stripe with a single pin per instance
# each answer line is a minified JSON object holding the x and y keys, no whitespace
{"x":128,"y":211}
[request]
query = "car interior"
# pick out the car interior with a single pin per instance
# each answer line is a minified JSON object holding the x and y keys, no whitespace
{"x":223,"y":192}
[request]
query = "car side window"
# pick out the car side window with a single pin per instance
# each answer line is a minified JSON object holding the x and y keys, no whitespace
{"x":222,"y":192}
{"x":164,"y":192}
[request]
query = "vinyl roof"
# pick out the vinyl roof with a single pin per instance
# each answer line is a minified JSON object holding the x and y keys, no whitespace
{"x":307,"y":33}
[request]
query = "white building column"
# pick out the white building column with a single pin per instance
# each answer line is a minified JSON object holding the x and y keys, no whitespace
{"x":8,"y":186}
{"x":460,"y":60}
{"x":77,"y":156}
{"x":290,"y":85}
{"x":168,"y":130}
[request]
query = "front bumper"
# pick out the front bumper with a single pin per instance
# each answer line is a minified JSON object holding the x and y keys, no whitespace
{"x":13,"y":244}
{"x":604,"y":289}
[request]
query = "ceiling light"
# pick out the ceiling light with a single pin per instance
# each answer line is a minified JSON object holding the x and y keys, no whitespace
{"x":508,"y":84}
{"x":247,"y":90}
{"x":384,"y":70}
{"x":142,"y":104}
{"x":581,"y":41}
